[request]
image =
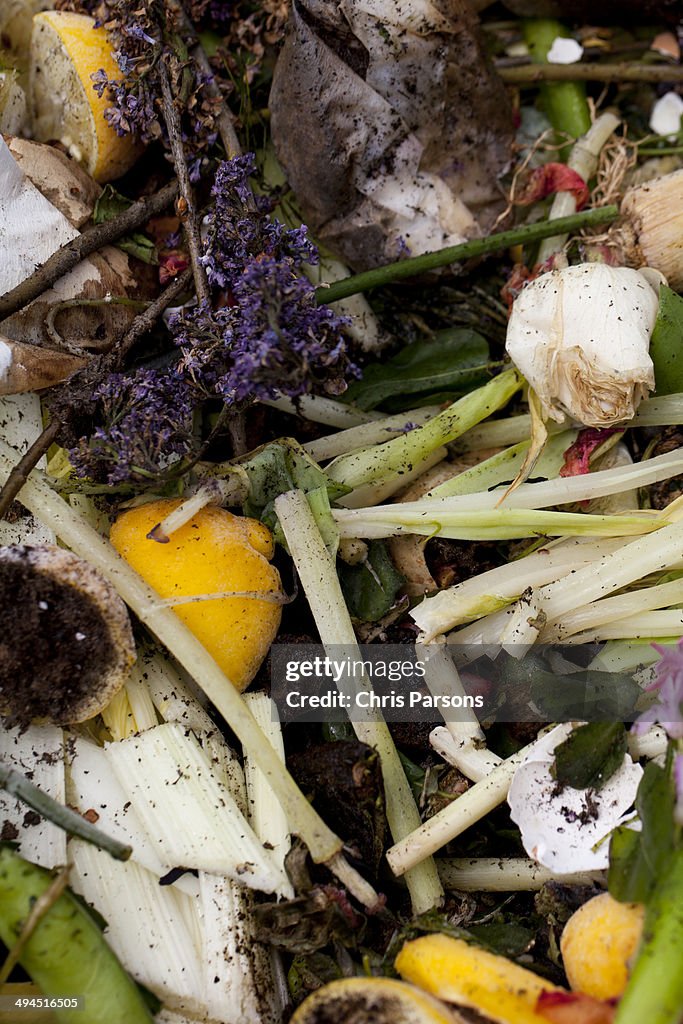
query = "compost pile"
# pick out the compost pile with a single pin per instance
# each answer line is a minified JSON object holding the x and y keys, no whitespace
{"x":341,"y":536}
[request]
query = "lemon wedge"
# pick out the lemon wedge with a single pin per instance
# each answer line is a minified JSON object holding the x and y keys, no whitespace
{"x":66,"y":50}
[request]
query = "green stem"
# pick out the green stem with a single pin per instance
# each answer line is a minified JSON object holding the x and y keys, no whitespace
{"x":318,"y":576}
{"x":522,"y":235}
{"x":564,"y":102}
{"x":18,"y":785}
{"x":655,"y":989}
{"x":403,"y":454}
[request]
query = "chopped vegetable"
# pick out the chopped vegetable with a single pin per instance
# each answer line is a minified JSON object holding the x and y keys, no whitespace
{"x":212,"y":557}
{"x":65,"y":953}
{"x":598,"y":944}
{"x":463,"y":974}
{"x":380,"y":1000}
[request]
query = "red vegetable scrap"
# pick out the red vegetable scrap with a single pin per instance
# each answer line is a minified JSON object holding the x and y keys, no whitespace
{"x":551,"y":178}
{"x":574,"y":1008}
{"x":577,"y":456}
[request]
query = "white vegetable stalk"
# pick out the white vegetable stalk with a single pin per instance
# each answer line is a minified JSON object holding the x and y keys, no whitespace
{"x":581,"y":337}
{"x":321,"y":584}
{"x":545,"y":493}
{"x":192,"y":816}
{"x":38,"y":752}
{"x":322,"y":843}
{"x":454,"y":819}
{"x":170,"y":694}
{"x":466,"y":752}
{"x":653,"y":625}
{"x":149,"y":926}
{"x":505,"y":874}
{"x":486,"y":592}
{"x":375,"y":432}
{"x":505,"y":465}
{"x":384,"y":487}
{"x":584,"y":160}
{"x":265,"y":814}
{"x":462,"y":742}
{"x":237,"y":970}
{"x":635,"y":560}
{"x":666,"y":410}
{"x":486,"y":523}
{"x":612,"y":609}
{"x":131,"y":709}
{"x":403,"y":453}
{"x":323,"y":410}
{"x":93,"y":786}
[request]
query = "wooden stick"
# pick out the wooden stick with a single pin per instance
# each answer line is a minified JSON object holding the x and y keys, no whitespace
{"x":529,"y":74}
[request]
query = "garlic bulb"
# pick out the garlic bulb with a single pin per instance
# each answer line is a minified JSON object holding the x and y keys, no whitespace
{"x":581,"y":338}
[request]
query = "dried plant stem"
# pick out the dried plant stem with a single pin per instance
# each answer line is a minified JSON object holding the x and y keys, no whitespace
{"x":26,"y":463}
{"x":74,"y":824}
{"x":39,"y":909}
{"x":71,"y":254}
{"x":465,"y":251}
{"x":146,"y":320}
{"x":529,"y":74}
{"x":185,"y":204}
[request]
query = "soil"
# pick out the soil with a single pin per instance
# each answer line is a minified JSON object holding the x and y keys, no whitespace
{"x":54,"y":644}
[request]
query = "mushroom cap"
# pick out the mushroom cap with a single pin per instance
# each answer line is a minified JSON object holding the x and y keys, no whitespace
{"x":68,"y":645}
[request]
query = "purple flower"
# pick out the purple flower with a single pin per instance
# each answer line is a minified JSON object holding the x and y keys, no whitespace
{"x":668,"y":707}
{"x":146,"y":427}
{"x":240,"y":230}
{"x":136,"y":31}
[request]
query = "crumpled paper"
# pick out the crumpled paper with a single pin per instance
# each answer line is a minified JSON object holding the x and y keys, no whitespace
{"x":391,"y":126}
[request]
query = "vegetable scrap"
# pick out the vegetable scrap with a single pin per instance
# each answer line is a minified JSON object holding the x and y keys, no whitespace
{"x":341,"y":542}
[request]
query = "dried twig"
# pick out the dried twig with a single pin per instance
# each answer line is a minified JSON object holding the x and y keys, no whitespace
{"x":20,"y":473}
{"x":226,"y":129}
{"x":74,"y":824}
{"x":185,"y":205}
{"x":71,"y":254}
{"x":146,"y":320}
{"x":528,"y":74}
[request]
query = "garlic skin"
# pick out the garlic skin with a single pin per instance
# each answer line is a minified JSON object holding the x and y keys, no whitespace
{"x":581,"y":337}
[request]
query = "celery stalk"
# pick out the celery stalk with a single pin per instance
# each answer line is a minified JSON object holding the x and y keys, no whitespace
{"x":403,"y":453}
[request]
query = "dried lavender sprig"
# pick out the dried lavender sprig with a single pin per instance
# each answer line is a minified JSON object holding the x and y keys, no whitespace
{"x":522,"y":235}
{"x":18,"y":785}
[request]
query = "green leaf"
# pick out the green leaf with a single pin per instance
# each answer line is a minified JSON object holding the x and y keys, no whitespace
{"x":590,"y":755}
{"x":283,"y":466}
{"x":141,"y":247}
{"x":638,"y":859}
{"x":452,"y":360}
{"x":370,"y":589}
{"x":506,"y":938}
{"x":666,"y":346}
{"x":109,"y":205}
